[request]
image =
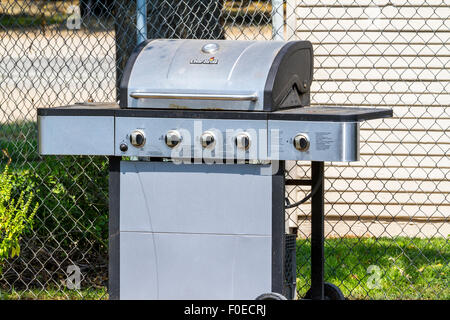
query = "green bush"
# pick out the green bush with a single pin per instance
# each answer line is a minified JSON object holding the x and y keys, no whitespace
{"x":74,"y":191}
{"x":16,"y":215}
{"x":71,"y":223}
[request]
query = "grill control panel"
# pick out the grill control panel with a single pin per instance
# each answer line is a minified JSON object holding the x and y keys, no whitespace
{"x":237,"y":139}
{"x":191,"y":138}
{"x":313,"y":141}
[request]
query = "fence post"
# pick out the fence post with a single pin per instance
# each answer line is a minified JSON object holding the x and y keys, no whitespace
{"x":277,"y":20}
{"x":125,"y":29}
{"x":141,"y":21}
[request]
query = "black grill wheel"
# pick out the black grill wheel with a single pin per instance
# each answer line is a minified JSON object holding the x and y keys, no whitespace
{"x":331,"y":292}
{"x":271,"y":296}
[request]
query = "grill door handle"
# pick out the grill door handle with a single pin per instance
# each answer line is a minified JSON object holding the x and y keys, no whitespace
{"x":195,"y":96}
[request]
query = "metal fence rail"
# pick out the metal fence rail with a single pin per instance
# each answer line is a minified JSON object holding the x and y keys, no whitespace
{"x":387,"y":216}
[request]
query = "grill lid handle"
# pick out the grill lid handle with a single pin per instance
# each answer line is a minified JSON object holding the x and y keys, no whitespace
{"x":195,"y":96}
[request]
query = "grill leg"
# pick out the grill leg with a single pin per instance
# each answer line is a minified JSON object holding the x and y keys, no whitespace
{"x":114,"y":224}
{"x":317,"y":232}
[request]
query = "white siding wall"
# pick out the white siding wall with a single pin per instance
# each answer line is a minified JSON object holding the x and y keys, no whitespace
{"x":394,"y":54}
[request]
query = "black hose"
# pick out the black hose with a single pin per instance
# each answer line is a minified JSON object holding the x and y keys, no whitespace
{"x":313,"y":192}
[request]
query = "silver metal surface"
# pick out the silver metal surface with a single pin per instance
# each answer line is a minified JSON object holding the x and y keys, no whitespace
{"x":76,"y":135}
{"x":329,"y":141}
{"x":196,"y":96}
{"x":171,"y":246}
{"x":190,"y":266}
{"x":268,"y":140}
{"x":239,"y":68}
{"x":210,"y":48}
{"x":155,"y":198}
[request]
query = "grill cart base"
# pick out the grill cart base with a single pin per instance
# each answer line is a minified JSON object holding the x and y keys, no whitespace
{"x":196,"y":231}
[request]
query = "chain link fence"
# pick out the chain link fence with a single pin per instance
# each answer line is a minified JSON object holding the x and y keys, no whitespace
{"x":387,"y":216}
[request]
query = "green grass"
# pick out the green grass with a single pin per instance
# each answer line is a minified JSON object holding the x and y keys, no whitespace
{"x":411,"y":268}
{"x":56,"y":294}
{"x":27,"y":21}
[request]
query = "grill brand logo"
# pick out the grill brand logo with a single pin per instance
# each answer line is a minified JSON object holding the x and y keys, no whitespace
{"x":211,"y":60}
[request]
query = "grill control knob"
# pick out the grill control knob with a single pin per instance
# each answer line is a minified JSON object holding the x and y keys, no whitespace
{"x":242,"y":141}
{"x":172,"y":138}
{"x":137,"y":138}
{"x":123,"y":147}
{"x":207,"y":139}
{"x":301,"y":142}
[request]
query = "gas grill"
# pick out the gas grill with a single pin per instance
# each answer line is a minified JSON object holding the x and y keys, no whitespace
{"x":197,"y":211}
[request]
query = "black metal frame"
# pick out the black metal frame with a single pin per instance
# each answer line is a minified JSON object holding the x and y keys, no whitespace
{"x":114,"y":229}
{"x":317,"y":227}
{"x":278,"y":232}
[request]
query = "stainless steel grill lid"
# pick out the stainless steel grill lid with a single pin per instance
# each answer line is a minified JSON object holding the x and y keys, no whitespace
{"x":218,"y":75}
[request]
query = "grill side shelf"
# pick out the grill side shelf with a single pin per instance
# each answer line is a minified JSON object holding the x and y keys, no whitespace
{"x":334,"y":114}
{"x":326,"y":114}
